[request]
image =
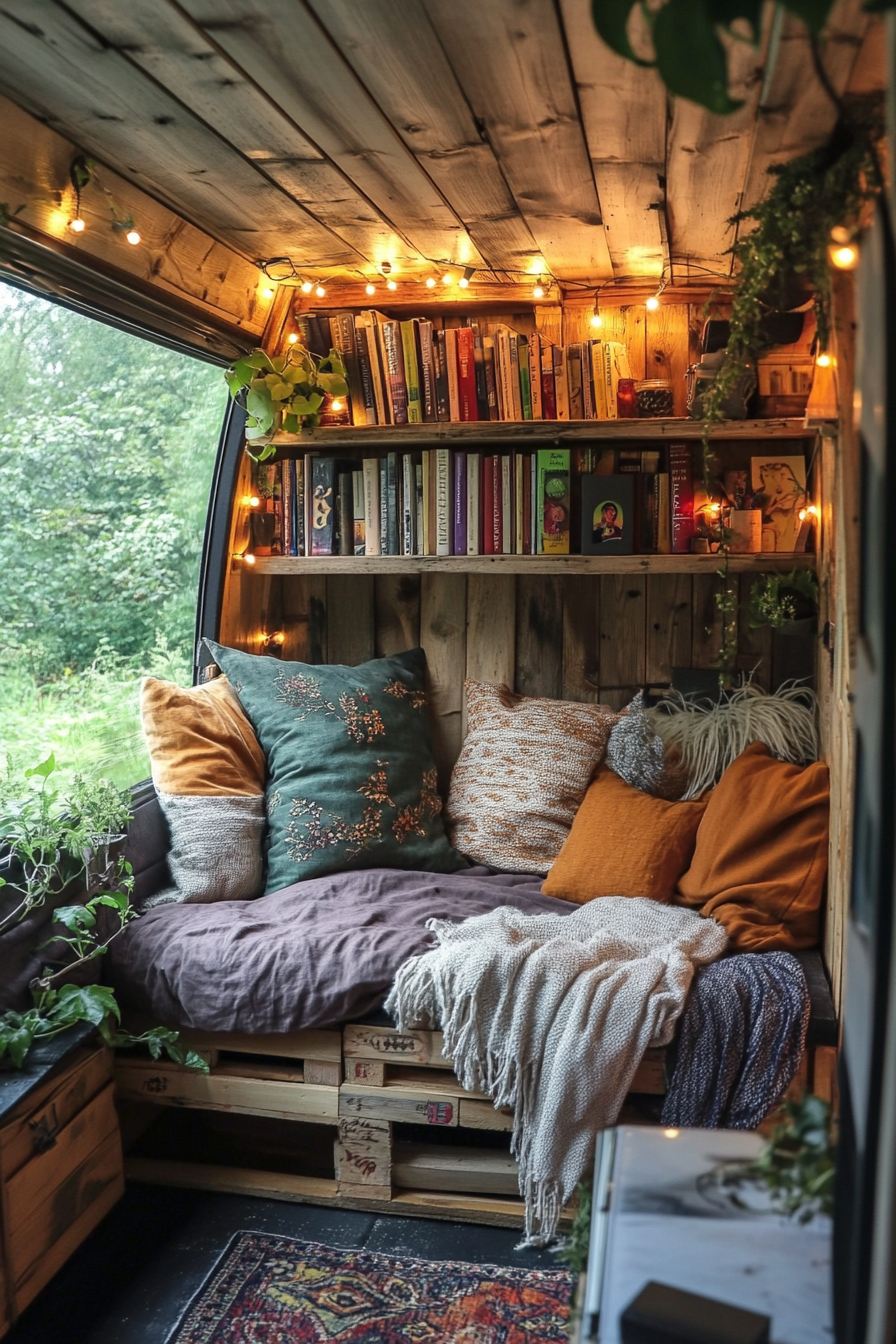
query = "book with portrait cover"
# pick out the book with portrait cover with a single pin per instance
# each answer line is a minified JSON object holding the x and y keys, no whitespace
{"x":608,"y":514}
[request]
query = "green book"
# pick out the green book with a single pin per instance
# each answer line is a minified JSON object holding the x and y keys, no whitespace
{"x":412,"y":370}
{"x":525,"y":389}
{"x":552,"y":513}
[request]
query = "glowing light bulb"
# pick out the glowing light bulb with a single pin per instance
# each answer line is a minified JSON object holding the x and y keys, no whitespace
{"x":671,"y":1133}
{"x":292,"y":338}
{"x":267,"y":292}
{"x":463,"y":282}
{"x":390,"y":284}
{"x":844,"y":258}
{"x":133,"y":237}
{"x":802,"y":515}
{"x":251,"y":501}
{"x":337,"y":404}
{"x":824,"y":361}
{"x":306,"y":286}
{"x":447,"y":278}
{"x":249,"y":557}
{"x":652,"y":303}
{"x":77,"y":225}
{"x":538,"y":292}
{"x":320,"y":291}
{"x":370,"y":289}
{"x":430,"y":282}
{"x":597,"y":320}
{"x":278,"y":638}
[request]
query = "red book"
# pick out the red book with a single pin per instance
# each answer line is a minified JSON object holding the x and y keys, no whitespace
{"x":681,"y":497}
{"x":466,"y":373}
{"x":497,"y":519}
{"x":488,"y":506}
{"x":548,"y":395}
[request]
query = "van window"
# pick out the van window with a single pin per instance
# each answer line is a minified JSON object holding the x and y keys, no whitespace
{"x":107,"y":446}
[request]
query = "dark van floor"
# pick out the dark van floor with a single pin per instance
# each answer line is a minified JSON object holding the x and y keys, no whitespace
{"x":133,"y":1278}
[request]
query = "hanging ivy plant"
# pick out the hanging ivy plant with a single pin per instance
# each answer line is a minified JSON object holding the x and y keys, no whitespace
{"x":284,"y":391}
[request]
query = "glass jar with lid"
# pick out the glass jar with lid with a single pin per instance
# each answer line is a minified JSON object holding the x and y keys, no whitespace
{"x":654,"y":397}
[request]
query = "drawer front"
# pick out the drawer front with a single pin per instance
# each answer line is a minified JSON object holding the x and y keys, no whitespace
{"x":35,"y":1125}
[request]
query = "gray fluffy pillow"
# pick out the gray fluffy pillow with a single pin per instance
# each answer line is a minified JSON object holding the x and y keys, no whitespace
{"x":637,"y":754}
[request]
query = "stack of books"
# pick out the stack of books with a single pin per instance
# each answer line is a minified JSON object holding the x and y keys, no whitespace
{"x":443,"y":502}
{"x":411,"y":372}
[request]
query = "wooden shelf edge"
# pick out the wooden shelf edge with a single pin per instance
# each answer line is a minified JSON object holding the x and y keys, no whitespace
{"x":527,"y":564}
{"x":561,"y":431}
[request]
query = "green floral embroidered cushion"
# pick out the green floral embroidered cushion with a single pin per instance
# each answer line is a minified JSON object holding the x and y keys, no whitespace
{"x":351,"y":781}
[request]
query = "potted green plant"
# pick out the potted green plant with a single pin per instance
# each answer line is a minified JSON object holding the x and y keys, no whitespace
{"x":65,"y":895}
{"x":788,"y":603}
{"x":284,"y":392}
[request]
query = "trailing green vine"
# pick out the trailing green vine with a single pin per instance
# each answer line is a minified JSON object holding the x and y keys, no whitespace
{"x":284,"y":391}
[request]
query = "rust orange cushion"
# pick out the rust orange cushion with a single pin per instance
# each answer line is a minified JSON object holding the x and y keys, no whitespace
{"x":624,"y":843}
{"x":762,"y":853}
{"x":200,"y":740}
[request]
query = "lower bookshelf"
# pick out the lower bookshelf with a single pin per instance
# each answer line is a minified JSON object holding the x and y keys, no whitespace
{"x":764,"y":562}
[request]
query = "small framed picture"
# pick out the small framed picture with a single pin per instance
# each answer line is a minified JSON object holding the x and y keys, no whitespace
{"x":608,"y":514}
{"x":779,"y":490}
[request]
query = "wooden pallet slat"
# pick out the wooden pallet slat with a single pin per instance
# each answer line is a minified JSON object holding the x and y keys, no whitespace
{"x":388,"y":1044}
{"x":169,"y":1085}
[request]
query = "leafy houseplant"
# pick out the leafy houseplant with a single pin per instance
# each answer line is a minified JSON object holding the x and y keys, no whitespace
{"x":284,"y":391}
{"x":52,"y":846}
{"x":777,"y":600}
{"x":797,"y":1165}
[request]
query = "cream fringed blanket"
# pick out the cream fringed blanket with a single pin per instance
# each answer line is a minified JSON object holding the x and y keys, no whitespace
{"x":551,"y":1014}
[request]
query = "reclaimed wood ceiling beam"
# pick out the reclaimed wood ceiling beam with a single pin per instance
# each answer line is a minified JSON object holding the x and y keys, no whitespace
{"x":624,"y":113}
{"x":165,"y":43}
{"x":405,"y":70}
{"x":510,"y":59}
{"x":282,"y":47}
{"x":55,"y":66}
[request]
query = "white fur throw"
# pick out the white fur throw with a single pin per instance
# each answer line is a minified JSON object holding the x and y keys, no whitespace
{"x":709,"y":737}
{"x":216,"y":847}
{"x":551,"y":1014}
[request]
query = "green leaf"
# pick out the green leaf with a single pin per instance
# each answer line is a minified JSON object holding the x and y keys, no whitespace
{"x":814,"y":13}
{"x":116,"y":900}
{"x":258,"y":404}
{"x":690,"y":56}
{"x":610,"y":18}
{"x":17,"y":1044}
{"x":333,"y":383}
{"x":44,"y":770}
{"x":75,"y":917}
{"x":242,"y":374}
{"x":258,"y":360}
{"x":85,"y":1003}
{"x":303,"y":406}
{"x":291,"y":423}
{"x":281,"y":390}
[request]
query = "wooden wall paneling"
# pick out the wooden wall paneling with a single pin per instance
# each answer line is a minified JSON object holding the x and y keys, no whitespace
{"x":706,"y":631}
{"x":667,"y":348}
{"x":581,"y":638}
{"x":56,"y":67}
{"x":396,"y":613}
{"x":754,"y":647}
{"x":512,"y":65}
{"x":539,"y":635}
{"x":303,"y":618}
{"x":623,"y":109}
{"x":405,"y":70}
{"x":795,"y":114}
{"x":174,"y":256}
{"x":549,"y":322}
{"x":168,"y":46}
{"x":351,"y":636}
{"x":283,"y":47}
{"x":669,"y":625}
{"x":623,"y":637}
{"x":491,"y":631}
{"x":443,"y":621}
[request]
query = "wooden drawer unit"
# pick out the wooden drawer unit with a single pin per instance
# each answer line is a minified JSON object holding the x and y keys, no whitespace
{"x":61,"y":1171}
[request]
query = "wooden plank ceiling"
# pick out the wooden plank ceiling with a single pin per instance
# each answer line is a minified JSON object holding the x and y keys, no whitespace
{"x":501,"y":135}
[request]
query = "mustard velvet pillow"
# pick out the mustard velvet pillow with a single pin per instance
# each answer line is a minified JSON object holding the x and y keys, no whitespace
{"x":624,"y":843}
{"x":521,"y":774}
{"x":762,"y":853}
{"x":208,"y":768}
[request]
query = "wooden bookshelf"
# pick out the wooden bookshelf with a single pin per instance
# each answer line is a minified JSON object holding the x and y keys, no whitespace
{"x":323,"y":565}
{"x":516,"y":433}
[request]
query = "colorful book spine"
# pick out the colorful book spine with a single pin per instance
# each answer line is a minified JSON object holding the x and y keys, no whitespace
{"x":411,"y":370}
{"x":358,"y":511}
{"x":681,"y":502}
{"x":474,"y":529}
{"x":418,"y":495}
{"x":488,"y":505}
{"x":526,"y":475}
{"x":537,"y":501}
{"x":287,"y":488}
{"x":408,"y":506}
{"x":391,"y":493}
{"x":553,"y":489}
{"x":344,"y":340}
{"x":398,"y":389}
{"x":459,"y":485}
{"x":440,"y":363}
{"x":517,"y":476}
{"x":427,"y":372}
{"x":323,"y":518}
{"x":574,"y":380}
{"x":535,"y":376}
{"x":507,"y":541}
{"x":497,"y":520}
{"x":515,"y":392}
{"x":372,"y":505}
{"x":488,"y":351}
{"x":344,"y":514}
{"x":599,"y":378}
{"x":525,"y":391}
{"x":451,"y":367}
{"x":466,"y":375}
{"x":548,"y":395}
{"x":561,"y":384}
{"x":443,"y":501}
{"x":479,"y":368}
{"x":427,"y":492}
{"x":307,"y":497}
{"x":365,"y":392}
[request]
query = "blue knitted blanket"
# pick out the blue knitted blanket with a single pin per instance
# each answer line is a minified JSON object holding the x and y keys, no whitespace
{"x":740,"y":1041}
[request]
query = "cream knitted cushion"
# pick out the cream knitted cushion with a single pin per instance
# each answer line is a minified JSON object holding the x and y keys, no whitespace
{"x":521,"y":775}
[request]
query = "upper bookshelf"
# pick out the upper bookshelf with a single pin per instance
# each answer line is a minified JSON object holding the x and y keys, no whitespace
{"x":531,"y":431}
{"x":530,"y":564}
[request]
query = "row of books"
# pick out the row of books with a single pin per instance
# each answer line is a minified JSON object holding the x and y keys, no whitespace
{"x":410,"y":372}
{"x":444,"y":502}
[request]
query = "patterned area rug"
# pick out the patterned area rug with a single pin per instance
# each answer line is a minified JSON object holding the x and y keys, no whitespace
{"x":269,"y":1290}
